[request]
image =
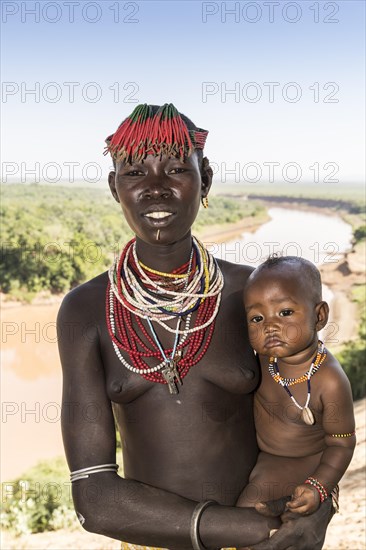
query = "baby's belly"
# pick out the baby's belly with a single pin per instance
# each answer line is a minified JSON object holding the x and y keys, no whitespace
{"x":281,"y":432}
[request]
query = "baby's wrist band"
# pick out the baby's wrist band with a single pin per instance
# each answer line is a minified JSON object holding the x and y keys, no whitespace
{"x":349,"y":434}
{"x":86,"y":472}
{"x":319,"y":487}
{"x":195,"y":522}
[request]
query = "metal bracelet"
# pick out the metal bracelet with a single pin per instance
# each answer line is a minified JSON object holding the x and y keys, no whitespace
{"x":86,"y":472}
{"x":195,"y":521}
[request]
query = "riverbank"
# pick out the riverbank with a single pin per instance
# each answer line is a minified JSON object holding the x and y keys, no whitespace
{"x":219,"y":234}
{"x":342,"y":278}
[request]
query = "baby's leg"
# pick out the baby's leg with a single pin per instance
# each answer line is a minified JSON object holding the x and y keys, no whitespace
{"x":276,"y":476}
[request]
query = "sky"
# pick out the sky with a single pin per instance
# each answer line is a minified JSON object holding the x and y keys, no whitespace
{"x":279,"y":85}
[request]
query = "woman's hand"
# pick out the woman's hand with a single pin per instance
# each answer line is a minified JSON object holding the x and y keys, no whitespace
{"x":304,"y":533}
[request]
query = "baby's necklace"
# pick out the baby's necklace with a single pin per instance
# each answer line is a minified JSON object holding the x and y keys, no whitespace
{"x":317,"y":361}
{"x":306,"y":414}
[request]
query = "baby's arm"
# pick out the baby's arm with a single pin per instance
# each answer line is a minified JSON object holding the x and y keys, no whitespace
{"x":339,"y":427}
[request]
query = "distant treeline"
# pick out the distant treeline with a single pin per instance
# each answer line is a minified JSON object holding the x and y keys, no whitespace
{"x":55,"y":238}
{"x":336,"y":204}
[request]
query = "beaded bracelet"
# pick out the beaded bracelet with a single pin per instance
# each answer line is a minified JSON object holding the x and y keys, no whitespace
{"x":319,"y":487}
{"x":350,"y":434}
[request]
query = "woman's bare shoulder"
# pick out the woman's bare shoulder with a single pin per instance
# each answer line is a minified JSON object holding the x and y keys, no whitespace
{"x":85,"y":298}
{"x":235,"y":275}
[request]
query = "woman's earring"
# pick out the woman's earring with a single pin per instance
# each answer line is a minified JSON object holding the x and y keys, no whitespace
{"x":204,"y":201}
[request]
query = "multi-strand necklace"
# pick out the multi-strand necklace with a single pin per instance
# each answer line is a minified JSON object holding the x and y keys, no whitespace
{"x":306,"y":413}
{"x":137,"y":293}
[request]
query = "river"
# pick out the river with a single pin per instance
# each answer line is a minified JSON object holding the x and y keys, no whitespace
{"x":316,"y":237}
{"x":31,"y":372}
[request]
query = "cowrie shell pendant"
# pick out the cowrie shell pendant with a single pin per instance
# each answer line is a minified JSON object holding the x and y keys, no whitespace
{"x":307,"y":416}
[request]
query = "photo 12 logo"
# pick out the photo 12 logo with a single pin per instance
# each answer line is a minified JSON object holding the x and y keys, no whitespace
{"x":253,"y":252}
{"x":50,"y":172}
{"x":70,"y":12}
{"x":270,"y":12}
{"x":68,"y":92}
{"x":269,"y":92}
{"x":273,"y":171}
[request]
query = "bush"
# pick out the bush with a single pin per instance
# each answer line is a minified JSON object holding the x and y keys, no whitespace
{"x":40,"y":500}
{"x":352,"y":359}
{"x":360,"y":233}
{"x":352,"y":356}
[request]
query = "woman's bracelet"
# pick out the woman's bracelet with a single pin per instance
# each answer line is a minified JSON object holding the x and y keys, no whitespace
{"x":86,"y":472}
{"x":319,"y":487}
{"x":195,"y":522}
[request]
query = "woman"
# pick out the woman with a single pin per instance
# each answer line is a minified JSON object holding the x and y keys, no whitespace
{"x":157,"y":344}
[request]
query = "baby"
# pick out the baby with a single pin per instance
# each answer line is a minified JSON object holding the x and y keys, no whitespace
{"x":303,"y":407}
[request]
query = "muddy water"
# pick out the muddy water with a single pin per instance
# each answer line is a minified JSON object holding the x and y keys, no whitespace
{"x":30,"y":388}
{"x":317,"y":237}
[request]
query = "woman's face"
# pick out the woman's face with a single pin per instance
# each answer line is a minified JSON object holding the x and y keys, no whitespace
{"x":159,"y":194}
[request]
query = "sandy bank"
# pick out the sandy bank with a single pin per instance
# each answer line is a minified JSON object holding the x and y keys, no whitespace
{"x":342,"y":278}
{"x":221,"y":234}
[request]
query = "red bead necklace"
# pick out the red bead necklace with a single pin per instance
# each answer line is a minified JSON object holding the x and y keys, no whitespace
{"x":129,"y":333}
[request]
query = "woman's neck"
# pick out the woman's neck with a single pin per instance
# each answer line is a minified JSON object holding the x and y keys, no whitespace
{"x":164,"y":257}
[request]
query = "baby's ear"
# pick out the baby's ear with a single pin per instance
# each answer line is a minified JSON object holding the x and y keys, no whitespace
{"x":322,"y":314}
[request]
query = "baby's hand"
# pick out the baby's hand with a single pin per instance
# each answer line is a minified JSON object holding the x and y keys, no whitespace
{"x":305,"y":500}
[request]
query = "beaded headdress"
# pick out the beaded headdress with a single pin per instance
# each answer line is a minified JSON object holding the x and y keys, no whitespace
{"x":148,"y":131}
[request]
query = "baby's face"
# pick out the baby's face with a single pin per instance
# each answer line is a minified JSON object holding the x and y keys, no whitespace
{"x":281,"y":313}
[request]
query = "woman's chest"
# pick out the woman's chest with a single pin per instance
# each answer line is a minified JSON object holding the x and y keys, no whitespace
{"x":225,"y":360}
{"x":219,"y":355}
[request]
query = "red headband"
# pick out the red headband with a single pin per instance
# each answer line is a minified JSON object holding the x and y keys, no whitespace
{"x":163,"y":133}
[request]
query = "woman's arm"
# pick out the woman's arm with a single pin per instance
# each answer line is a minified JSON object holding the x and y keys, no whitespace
{"x":106,"y":503}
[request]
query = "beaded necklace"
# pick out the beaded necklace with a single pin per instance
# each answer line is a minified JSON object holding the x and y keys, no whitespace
{"x":318,"y":360}
{"x":306,"y":413}
{"x":136,"y":293}
{"x":176,"y":276}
